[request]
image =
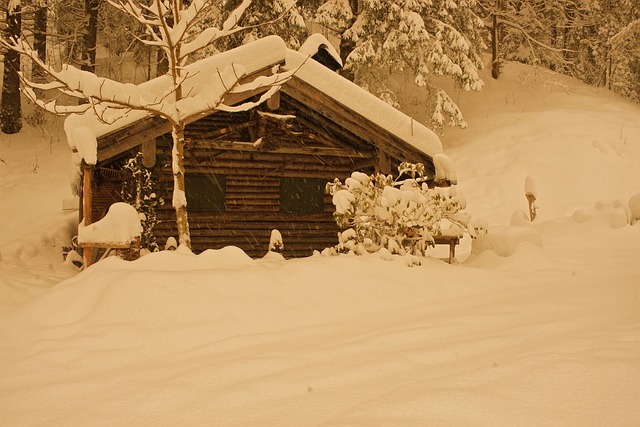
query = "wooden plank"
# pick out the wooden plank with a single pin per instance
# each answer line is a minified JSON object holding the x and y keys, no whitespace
{"x":305,"y":150}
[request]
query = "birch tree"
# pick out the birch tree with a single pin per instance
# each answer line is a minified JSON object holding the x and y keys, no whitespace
{"x":169,"y":25}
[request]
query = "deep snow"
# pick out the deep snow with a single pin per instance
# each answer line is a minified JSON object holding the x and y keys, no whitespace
{"x":542,"y":328}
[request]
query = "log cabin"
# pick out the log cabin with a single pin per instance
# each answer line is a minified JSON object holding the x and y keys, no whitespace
{"x":266,"y":167}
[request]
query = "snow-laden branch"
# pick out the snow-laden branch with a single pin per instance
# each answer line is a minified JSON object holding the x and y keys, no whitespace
{"x":229,"y":81}
{"x":531,"y":39}
{"x":229,"y":27}
{"x":84,"y":85}
{"x":630,"y":30}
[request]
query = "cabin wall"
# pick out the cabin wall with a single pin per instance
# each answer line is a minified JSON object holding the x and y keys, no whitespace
{"x":105,"y":192}
{"x":252,"y":199}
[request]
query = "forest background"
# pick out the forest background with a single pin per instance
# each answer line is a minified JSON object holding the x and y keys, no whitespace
{"x":414,"y":54}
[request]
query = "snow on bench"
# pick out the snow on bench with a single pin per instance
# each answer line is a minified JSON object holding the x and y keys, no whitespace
{"x":120,"y":229}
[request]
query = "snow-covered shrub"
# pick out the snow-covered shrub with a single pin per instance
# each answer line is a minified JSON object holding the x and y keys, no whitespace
{"x":399,"y":214}
{"x":138,"y":190}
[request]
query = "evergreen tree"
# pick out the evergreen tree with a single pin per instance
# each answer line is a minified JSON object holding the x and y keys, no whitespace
{"x":422,"y":37}
{"x":574,"y":37}
{"x":285,"y":18}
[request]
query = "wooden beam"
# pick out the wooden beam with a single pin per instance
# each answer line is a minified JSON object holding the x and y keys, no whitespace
{"x":87,"y":203}
{"x":302,"y":150}
{"x":384,"y":163}
{"x":149,"y":153}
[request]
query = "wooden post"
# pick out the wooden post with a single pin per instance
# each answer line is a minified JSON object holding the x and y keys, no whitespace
{"x":531,"y":198}
{"x":384,"y":163}
{"x":452,"y":250}
{"x":87,"y":198}
{"x":149,"y":153}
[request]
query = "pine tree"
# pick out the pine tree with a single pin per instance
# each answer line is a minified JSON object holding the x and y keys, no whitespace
{"x":421,"y":37}
{"x":285,"y":18}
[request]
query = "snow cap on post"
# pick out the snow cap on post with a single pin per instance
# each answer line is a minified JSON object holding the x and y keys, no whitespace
{"x":317,"y":41}
{"x":84,"y":147}
{"x":83,"y":141}
{"x":445,"y":170}
{"x":530,"y":186}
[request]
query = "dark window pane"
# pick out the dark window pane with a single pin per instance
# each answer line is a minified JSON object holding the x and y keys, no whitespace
{"x":205,"y":193}
{"x":302,"y":195}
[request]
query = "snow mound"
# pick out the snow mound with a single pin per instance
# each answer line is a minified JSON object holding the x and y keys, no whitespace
{"x":504,"y":240}
{"x":227,"y":258}
{"x":606,"y":215}
{"x":634,"y":207}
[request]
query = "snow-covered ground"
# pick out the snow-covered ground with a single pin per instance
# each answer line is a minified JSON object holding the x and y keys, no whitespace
{"x":541,"y":329}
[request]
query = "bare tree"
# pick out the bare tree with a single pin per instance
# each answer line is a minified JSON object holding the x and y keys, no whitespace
{"x":169,"y":26}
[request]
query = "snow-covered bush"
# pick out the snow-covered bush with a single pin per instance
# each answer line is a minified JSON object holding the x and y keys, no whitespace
{"x":399,"y":214}
{"x":138,"y":190}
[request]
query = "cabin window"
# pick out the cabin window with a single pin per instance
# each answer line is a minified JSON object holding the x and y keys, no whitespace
{"x":205,"y":192}
{"x":302,"y":195}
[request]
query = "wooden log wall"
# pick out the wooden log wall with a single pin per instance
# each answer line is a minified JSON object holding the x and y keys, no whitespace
{"x":252,"y":201}
{"x":106,"y":190}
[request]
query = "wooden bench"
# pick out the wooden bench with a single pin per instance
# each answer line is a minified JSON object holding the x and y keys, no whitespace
{"x":128,"y":251}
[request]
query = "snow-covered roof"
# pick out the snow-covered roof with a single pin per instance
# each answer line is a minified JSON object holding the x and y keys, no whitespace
{"x":204,"y":84}
{"x":364,"y":103}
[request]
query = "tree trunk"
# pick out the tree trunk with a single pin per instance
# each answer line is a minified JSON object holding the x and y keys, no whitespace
{"x":90,"y":37}
{"x":177,"y":164}
{"x":495,"y":61}
{"x":162,"y":64}
{"x":10,"y":110}
{"x":179,"y":194}
{"x":347,"y":46}
{"x":40,"y":40}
